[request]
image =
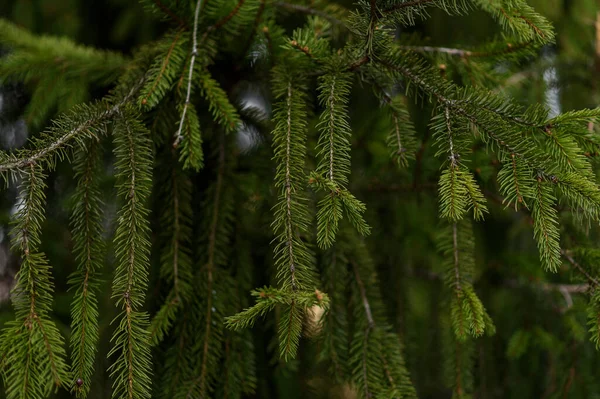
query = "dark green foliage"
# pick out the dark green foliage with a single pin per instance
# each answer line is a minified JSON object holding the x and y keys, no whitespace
{"x":131,"y":368}
{"x":86,"y":221}
{"x":33,"y":348}
{"x":405,"y":205}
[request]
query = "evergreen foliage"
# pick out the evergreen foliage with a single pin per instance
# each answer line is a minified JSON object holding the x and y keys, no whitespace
{"x":229,"y":152}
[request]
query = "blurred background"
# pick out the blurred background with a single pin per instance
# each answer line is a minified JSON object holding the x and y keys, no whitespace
{"x":542,"y":349}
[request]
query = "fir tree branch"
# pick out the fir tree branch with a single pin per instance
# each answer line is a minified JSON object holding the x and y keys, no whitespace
{"x":363,"y":296}
{"x":288,"y":188}
{"x":162,"y":320}
{"x":33,"y":353}
{"x":132,"y":368}
{"x":26,"y":158}
{"x":164,"y":65}
{"x":171,"y":14}
{"x":455,"y":253}
{"x":454,"y":157}
{"x":455,"y":106}
{"x":370,"y":327}
{"x":516,"y":180}
{"x":210,"y":265}
{"x":176,"y":236}
{"x":580,"y":269}
{"x":179,"y":136}
{"x":545,"y":222}
{"x":86,"y":224}
{"x":332,"y":127}
{"x":225,"y":19}
{"x":257,"y":19}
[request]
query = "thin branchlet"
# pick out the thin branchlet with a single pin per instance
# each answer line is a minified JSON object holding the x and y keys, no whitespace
{"x":31,"y":157}
{"x":194,"y":54}
{"x":288,"y":188}
{"x":455,"y":252}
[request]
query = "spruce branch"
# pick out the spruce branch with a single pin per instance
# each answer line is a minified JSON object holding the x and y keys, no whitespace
{"x":176,"y":237}
{"x":200,"y":381}
{"x":455,"y":251}
{"x":401,"y":140}
{"x":288,"y":190}
{"x":171,"y":14}
{"x":370,"y":326}
{"x":174,"y":188}
{"x":86,"y":222}
{"x":333,"y":165}
{"x":163,"y":319}
{"x":377,"y":364}
{"x":593,"y":281}
{"x":79,"y":124}
{"x":467,"y":314}
{"x":165,"y":68}
{"x":132,"y":367}
{"x":32,"y":346}
{"x":545,"y":227}
{"x":257,"y":20}
{"x":293,"y":258}
{"x":179,"y":136}
{"x":225,"y":19}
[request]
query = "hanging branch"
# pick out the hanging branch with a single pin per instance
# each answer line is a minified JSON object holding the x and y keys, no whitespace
{"x":171,"y":14}
{"x":175,"y":253}
{"x":86,"y":222}
{"x":257,"y":19}
{"x":179,"y":136}
{"x":132,"y":368}
{"x":54,"y":142}
{"x":370,"y":326}
{"x":376,"y":361}
{"x":580,"y":269}
{"x":455,"y":254}
{"x":200,"y":381}
{"x":31,"y":345}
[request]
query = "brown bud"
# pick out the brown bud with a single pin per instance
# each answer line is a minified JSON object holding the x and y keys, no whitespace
{"x":319,"y":295}
{"x":79,"y":382}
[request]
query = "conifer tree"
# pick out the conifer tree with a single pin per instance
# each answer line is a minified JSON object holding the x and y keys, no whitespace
{"x":304,"y":199}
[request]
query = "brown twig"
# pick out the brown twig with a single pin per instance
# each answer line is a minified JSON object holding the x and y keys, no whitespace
{"x":357,"y":64}
{"x":579,"y":268}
